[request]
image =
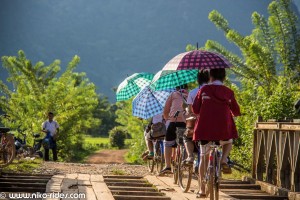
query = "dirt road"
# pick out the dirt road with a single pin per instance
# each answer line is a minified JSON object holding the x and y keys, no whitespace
{"x":107,"y":156}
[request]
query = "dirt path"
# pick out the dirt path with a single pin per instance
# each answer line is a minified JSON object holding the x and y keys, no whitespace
{"x":107,"y":156}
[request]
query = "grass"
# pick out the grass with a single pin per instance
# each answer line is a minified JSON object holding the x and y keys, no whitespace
{"x":23,"y":166}
{"x":102,"y":142}
{"x":236,"y":175}
{"x":96,"y":140}
{"x":118,"y":172}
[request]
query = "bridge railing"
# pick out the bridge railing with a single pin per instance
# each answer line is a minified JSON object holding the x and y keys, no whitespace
{"x":276,"y":154}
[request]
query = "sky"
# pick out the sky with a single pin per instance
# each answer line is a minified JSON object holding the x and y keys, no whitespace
{"x":116,"y":38}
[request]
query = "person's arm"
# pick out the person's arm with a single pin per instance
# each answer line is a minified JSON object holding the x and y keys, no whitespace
{"x":234,"y":107}
{"x":167,"y":107}
{"x":197,"y":103}
{"x":44,"y":127}
{"x":57,"y":128}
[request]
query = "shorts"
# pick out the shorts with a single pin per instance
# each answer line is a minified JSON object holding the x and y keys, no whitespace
{"x":204,"y":145}
{"x":170,"y":137}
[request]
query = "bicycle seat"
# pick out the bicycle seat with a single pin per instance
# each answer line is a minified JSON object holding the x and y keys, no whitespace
{"x":4,"y":130}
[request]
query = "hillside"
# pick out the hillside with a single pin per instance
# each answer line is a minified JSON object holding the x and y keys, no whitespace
{"x":115,"y":38}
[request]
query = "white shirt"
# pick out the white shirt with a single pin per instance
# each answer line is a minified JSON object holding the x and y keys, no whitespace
{"x":157,"y":118}
{"x":193,"y":94}
{"x":216,"y":82}
{"x":50,"y":126}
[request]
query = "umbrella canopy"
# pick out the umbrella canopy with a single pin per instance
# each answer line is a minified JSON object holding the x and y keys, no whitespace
{"x":149,"y":103}
{"x":133,"y":85}
{"x":169,"y":79}
{"x":198,"y":59}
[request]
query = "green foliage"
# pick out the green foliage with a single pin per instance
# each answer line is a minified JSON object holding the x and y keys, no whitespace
{"x":117,"y":137}
{"x":268,"y":69}
{"x":23,"y":166}
{"x":39,"y":89}
{"x":135,"y":127}
{"x":105,"y":112}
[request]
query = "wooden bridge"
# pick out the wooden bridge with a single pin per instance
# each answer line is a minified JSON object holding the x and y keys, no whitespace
{"x":276,"y":155}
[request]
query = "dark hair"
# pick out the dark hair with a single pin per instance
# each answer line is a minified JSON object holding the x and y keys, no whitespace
{"x":184,"y":86}
{"x":50,"y":113}
{"x":203,"y":76}
{"x":218,"y":74}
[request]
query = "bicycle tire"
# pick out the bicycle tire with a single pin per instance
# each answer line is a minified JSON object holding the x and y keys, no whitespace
{"x":211,"y":179}
{"x":8,"y":149}
{"x":175,"y":165}
{"x":184,"y":168}
{"x":159,"y":157}
{"x":217,"y":175}
{"x":150,"y":164}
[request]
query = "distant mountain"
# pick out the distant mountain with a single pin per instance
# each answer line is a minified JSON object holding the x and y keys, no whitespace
{"x":117,"y":37}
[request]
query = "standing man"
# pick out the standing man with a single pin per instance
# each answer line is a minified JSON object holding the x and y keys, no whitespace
{"x":51,"y":127}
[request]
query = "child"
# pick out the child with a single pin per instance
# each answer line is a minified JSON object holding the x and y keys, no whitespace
{"x":215,"y":106}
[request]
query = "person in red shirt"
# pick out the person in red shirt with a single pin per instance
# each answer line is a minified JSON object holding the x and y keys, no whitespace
{"x":215,"y":106}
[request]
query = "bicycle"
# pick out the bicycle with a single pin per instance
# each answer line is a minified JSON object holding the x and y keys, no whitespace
{"x":158,"y":159}
{"x":212,"y":177}
{"x":7,"y":146}
{"x":188,"y":171}
{"x":180,"y":154}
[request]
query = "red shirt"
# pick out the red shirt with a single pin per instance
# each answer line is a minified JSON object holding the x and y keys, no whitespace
{"x":215,"y":106}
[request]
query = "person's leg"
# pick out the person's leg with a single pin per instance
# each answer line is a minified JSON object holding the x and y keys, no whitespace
{"x":168,"y":143}
{"x":225,"y":152}
{"x":189,"y":146}
{"x":168,"y":156}
{"x":226,"y":148}
{"x":46,"y":156}
{"x":149,"y":144}
{"x":202,"y":171}
{"x":54,"y":151}
{"x":204,"y":158}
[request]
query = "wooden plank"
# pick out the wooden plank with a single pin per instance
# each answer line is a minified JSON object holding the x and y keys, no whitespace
{"x":71,"y":176}
{"x":88,"y":191}
{"x":97,"y":178}
{"x":101,"y":191}
{"x":290,"y":126}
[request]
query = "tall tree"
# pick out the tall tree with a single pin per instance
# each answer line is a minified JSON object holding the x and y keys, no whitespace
{"x":268,"y":68}
{"x":39,"y":89}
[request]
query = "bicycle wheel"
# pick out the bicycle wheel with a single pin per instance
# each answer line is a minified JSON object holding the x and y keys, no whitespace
{"x":175,"y":165}
{"x":159,"y":157}
{"x":185,"y":172}
{"x":211,"y":176}
{"x":217,"y":178}
{"x":8,"y":149}
{"x":150,"y":164}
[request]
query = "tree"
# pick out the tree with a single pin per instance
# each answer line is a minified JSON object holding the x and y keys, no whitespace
{"x":105,"y":112}
{"x":268,"y":68}
{"x":39,"y":89}
{"x":133,"y":126}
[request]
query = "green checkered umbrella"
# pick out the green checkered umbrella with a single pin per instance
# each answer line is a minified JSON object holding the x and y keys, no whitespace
{"x":169,"y":79}
{"x":132,"y":85}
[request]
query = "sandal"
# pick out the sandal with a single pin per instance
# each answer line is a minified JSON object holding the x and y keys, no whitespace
{"x":201,"y":195}
{"x":225,"y":168}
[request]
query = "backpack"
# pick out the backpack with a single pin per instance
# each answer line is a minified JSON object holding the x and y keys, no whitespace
{"x":158,"y":130}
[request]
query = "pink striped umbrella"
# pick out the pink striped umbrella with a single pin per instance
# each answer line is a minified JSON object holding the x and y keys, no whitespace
{"x":198,"y":59}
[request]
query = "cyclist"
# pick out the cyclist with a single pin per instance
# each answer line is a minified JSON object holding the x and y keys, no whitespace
{"x":215,"y":106}
{"x":154,"y":120}
{"x":173,"y":104}
{"x":202,"y":79}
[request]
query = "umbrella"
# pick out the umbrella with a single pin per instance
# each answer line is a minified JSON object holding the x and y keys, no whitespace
{"x":169,"y":79}
{"x":133,"y":85}
{"x":149,"y":103}
{"x":198,"y":59}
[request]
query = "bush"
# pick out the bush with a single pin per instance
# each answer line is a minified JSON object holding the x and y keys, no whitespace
{"x":117,"y":137}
